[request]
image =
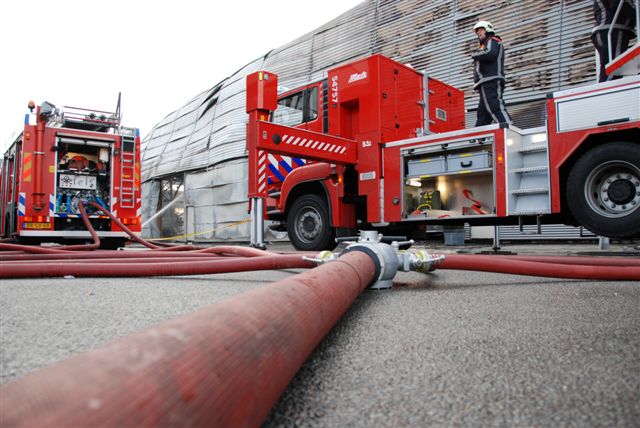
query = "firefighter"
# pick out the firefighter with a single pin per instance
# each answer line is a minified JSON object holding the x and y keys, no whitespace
{"x":488,"y":75}
{"x":622,"y":31}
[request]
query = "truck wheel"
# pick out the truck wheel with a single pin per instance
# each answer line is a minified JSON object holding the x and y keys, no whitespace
{"x":603,"y":190}
{"x":309,"y":226}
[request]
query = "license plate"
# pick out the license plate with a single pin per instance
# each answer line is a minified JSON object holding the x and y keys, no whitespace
{"x":36,"y":225}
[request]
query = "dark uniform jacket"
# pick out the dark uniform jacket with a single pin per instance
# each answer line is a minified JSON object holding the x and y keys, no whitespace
{"x":488,"y":62}
{"x":604,"y":11}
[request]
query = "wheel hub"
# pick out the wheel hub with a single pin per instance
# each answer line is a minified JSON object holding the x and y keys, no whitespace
{"x":621,"y":192}
{"x":309,"y":224}
{"x":618,"y":192}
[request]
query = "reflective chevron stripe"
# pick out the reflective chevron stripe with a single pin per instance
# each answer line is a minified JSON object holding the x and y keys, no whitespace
{"x":262,"y":170}
{"x":21,"y":202}
{"x":314,"y":144}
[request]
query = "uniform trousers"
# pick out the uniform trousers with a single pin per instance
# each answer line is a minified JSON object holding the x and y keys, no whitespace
{"x":491,"y":106}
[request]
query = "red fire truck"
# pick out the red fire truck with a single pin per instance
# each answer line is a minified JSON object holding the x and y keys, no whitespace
{"x":380,"y":145}
{"x":62,"y":157}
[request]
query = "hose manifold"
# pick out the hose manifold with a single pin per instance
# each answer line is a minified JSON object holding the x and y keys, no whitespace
{"x":388,"y":259}
{"x":384,"y":258}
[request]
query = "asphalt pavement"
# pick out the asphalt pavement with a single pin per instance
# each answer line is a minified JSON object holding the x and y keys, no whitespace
{"x":452,"y":348}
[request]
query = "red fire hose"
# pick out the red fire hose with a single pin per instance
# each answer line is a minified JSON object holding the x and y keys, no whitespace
{"x":92,"y":232}
{"x":211,"y":252}
{"x":504,"y":264}
{"x":578,"y":260}
{"x":151,"y":268}
{"x":95,"y":255}
{"x":218,"y":260}
{"x":220,"y":250}
{"x":223,"y":365}
{"x":562,"y":267}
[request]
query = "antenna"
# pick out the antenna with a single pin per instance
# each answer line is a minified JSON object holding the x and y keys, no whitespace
{"x":118,"y":117}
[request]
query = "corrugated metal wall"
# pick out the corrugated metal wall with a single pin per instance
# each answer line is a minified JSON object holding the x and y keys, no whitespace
{"x":547,"y":48}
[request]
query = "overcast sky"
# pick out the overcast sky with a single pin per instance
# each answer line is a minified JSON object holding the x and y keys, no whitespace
{"x":159,"y":54}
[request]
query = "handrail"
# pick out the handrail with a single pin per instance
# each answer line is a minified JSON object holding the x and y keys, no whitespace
{"x":610,"y":32}
{"x":637,"y":21}
{"x":99,"y":117}
{"x":613,"y":24}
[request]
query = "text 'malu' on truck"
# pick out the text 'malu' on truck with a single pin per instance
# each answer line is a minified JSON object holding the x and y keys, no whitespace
{"x":64,"y":156}
{"x":380,"y":145}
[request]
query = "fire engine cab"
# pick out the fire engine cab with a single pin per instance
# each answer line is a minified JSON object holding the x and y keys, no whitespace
{"x":65,"y":156}
{"x":382,"y":146}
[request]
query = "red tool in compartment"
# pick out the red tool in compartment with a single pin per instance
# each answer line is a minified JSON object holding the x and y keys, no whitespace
{"x":476,"y":206}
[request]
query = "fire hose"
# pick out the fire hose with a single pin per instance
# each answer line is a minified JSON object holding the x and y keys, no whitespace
{"x":46,"y":262}
{"x":226,"y":364}
{"x":223,"y":365}
{"x":189,"y":253}
{"x":94,"y":236}
{"x":565,"y":269}
{"x":147,"y":265}
{"x":167,"y":261}
{"x":149,"y":268}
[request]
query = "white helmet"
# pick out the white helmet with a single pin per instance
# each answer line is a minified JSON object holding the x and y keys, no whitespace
{"x":486,"y":25}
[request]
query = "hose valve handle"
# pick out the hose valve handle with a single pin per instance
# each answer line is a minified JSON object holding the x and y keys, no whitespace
{"x":321,"y":258}
{"x":419,"y":261}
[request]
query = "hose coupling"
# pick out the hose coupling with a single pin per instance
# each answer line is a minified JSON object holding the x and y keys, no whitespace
{"x":419,"y":261}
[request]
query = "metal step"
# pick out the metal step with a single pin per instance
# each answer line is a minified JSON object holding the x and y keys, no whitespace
{"x":530,"y":212}
{"x":273,"y":210}
{"x":533,"y":149}
{"x":530,"y":191}
{"x":541,"y":168}
{"x":275,"y":194}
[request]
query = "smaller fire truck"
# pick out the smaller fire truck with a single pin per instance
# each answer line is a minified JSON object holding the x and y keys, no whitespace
{"x":65,"y":156}
{"x":380,"y":145}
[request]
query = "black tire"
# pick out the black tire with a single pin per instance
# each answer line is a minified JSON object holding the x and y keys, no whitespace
{"x":309,"y":225}
{"x":603,"y":190}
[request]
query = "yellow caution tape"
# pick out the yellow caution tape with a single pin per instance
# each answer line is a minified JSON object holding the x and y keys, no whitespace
{"x":170,"y":238}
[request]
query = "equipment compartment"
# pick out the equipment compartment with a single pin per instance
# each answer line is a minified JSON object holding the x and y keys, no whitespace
{"x":83,"y":174}
{"x":449,"y":181}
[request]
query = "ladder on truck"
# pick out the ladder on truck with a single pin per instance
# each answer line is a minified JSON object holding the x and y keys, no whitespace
{"x":127,"y":172}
